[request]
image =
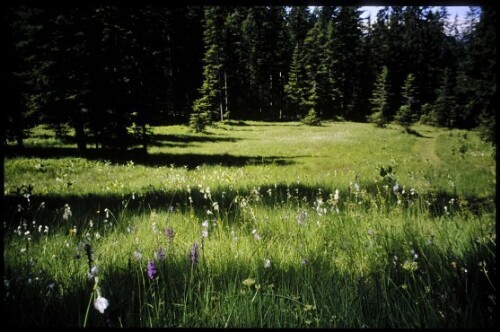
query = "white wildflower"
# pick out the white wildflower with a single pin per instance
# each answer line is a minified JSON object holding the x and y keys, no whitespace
{"x":67,"y":212}
{"x":336,"y":196}
{"x":101,"y":304}
{"x":267,"y":263}
{"x":256,"y":235}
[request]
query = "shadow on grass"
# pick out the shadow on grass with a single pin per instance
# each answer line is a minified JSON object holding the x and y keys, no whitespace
{"x":186,"y":140}
{"x":413,"y":132}
{"x":187,"y":290}
{"x":139,"y":156}
{"x":162,"y":139}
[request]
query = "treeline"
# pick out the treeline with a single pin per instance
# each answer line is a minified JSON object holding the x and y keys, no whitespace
{"x":111,"y":71}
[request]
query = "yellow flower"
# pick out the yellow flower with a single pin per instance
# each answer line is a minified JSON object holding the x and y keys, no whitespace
{"x":249,"y":282}
{"x":72,"y":231}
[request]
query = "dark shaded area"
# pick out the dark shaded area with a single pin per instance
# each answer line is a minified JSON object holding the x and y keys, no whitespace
{"x":413,"y":132}
{"x":139,"y":156}
{"x":191,"y":138}
{"x":381,"y":302}
{"x":162,"y":139}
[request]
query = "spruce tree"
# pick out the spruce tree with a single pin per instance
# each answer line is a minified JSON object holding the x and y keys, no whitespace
{"x":379,"y":100}
{"x":210,"y":105}
{"x":408,"y":113}
{"x":444,"y":112}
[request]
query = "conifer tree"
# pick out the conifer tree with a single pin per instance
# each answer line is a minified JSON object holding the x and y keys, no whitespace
{"x":408,"y":112}
{"x":209,"y":106}
{"x":379,"y":100}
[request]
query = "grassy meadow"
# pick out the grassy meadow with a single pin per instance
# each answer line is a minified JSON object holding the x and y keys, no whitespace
{"x":253,"y":225}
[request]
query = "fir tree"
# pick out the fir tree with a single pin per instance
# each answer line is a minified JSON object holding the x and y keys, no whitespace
{"x":379,"y":100}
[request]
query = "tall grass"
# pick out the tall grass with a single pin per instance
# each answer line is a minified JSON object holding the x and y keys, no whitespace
{"x":305,"y":244}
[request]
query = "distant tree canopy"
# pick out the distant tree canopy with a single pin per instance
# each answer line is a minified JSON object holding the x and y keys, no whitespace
{"x":110,"y":71}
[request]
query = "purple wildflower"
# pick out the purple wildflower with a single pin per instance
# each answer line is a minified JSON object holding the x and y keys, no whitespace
{"x":193,"y":253}
{"x":169,"y":233}
{"x":160,"y":254}
{"x":152,"y":272}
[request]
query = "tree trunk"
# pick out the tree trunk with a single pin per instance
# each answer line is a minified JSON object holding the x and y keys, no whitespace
{"x":20,"y":142}
{"x":80,"y":136}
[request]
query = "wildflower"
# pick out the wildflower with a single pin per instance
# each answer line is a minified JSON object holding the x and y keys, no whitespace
{"x":23,"y":250}
{"x":256,"y":235}
{"x":106,"y":211}
{"x":93,"y":272}
{"x":249,"y":282}
{"x":301,"y":218}
{"x":160,"y":254}
{"x":304,"y":261}
{"x":204,"y":224}
{"x":155,"y":228}
{"x":72,"y":231}
{"x":233,"y":234}
{"x":370,"y":232}
{"x":309,"y":307}
{"x":101,"y":304}
{"x":152,"y":272}
{"x":215,"y":206}
{"x":396,"y":188}
{"x":6,"y":283}
{"x":40,"y":229}
{"x":410,"y":266}
{"x":336,"y":197}
{"x":319,"y":206}
{"x":91,"y":223}
{"x":267,"y":263}
{"x":169,"y":233}
{"x":67,"y":212}
{"x":193,"y":254}
{"x":137,"y":255}
{"x":204,"y":233}
{"x":356,"y":184}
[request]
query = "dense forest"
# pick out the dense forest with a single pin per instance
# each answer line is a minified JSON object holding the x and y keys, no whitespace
{"x":110,"y":72}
